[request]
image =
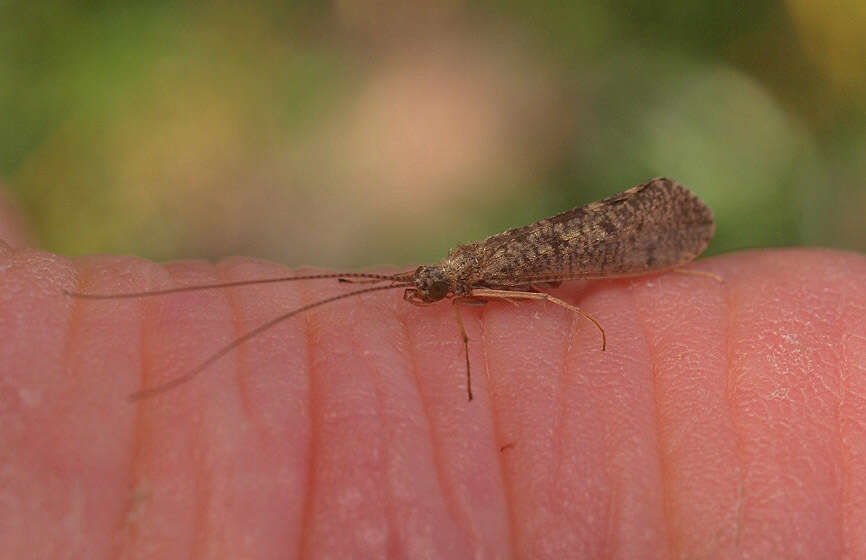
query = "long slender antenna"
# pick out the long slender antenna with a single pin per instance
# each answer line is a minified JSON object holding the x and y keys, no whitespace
{"x":146,"y":393}
{"x":378,"y":277}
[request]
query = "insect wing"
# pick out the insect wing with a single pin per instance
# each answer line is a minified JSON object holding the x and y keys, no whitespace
{"x":654,"y":226}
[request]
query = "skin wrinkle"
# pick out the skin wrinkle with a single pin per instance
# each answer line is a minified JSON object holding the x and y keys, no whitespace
{"x":610,"y":517}
{"x":204,"y":483}
{"x":843,"y":449}
{"x":562,"y":404}
{"x":76,"y":315}
{"x":739,"y":452}
{"x":316,"y":390}
{"x":725,"y":287}
{"x":142,"y":428}
{"x":848,"y":505}
{"x":125,"y":529}
{"x":202,"y":499}
{"x":574,"y":328}
{"x":385,"y":489}
{"x":845,"y":364}
{"x":497,"y":433}
{"x":664,"y":467}
{"x":73,"y":323}
{"x":306,"y":517}
{"x":610,"y":524}
{"x":457,"y":514}
{"x":240,"y":352}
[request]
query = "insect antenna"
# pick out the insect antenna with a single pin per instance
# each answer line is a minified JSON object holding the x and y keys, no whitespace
{"x":168,"y":385}
{"x":399,"y":277}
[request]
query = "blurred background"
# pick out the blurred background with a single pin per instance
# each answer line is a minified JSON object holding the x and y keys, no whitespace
{"x":345,"y":133}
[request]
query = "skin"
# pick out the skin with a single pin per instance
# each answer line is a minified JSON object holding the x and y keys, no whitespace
{"x":725,"y":420}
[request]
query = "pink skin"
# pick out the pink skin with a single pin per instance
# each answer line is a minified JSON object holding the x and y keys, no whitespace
{"x":725,"y":420}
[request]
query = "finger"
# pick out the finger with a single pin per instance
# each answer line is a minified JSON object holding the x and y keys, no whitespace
{"x":682,"y":440}
{"x":349,"y":422}
{"x":789,"y":344}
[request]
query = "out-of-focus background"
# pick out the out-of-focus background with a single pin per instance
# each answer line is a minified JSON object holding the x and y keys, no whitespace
{"x":345,"y":133}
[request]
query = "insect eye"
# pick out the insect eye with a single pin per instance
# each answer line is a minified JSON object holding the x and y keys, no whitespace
{"x":438,"y":290}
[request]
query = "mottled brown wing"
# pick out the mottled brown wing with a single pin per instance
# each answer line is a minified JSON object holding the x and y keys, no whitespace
{"x":654,"y":226}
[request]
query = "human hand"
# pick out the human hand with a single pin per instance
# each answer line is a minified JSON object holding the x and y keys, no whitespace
{"x":724,"y":419}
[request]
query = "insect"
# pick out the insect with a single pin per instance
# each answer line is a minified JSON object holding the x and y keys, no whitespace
{"x":655,"y":226}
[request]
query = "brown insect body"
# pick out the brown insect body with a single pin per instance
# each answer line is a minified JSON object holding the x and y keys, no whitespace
{"x":654,"y":226}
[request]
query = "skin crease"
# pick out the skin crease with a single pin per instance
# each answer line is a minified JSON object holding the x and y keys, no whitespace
{"x":725,"y":420}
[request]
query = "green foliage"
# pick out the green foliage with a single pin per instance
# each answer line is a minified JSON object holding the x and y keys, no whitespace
{"x":348,"y":133}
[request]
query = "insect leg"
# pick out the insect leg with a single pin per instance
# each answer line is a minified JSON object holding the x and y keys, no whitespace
{"x":457,"y":302}
{"x":505,"y":294}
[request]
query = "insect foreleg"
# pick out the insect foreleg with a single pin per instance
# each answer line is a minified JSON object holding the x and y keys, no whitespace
{"x":456,"y":303}
{"x":703,"y":273}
